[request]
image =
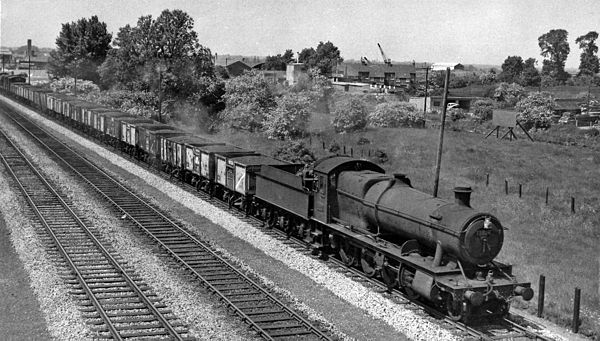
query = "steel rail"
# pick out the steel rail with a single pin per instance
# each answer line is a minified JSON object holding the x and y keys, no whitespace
{"x":264,"y":333}
{"x":160,"y":317}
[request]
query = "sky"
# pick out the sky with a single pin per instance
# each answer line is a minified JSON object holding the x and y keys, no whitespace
{"x":463,"y":31}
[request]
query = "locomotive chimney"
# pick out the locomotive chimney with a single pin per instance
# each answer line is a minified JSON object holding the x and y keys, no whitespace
{"x":462,"y":195}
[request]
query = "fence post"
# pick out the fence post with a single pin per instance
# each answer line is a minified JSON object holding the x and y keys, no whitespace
{"x":369,"y":152}
{"x":576,"y":302}
{"x":323,"y":145}
{"x":541,"y":289}
{"x":351,"y":151}
{"x":344,"y":149}
{"x":487,"y":179}
{"x":547,"y":190}
{"x":506,"y":186}
{"x":572,"y":205}
{"x":520,"y":190}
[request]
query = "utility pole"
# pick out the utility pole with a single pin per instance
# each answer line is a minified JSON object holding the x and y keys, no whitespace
{"x":29,"y":62}
{"x":440,"y":146}
{"x":426,"y":90}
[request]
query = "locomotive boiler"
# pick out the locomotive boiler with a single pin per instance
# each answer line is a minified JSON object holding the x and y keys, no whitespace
{"x":388,"y":205}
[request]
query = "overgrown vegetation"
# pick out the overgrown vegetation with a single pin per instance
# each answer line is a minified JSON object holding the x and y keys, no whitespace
{"x":396,"y":114}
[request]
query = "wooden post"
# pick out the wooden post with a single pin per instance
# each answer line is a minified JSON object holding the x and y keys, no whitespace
{"x":369,"y":152}
{"x":487,"y":179}
{"x":547,"y":191}
{"x":520,"y":190}
{"x":323,"y":145}
{"x":572,"y":205}
{"x":351,"y":151}
{"x":576,"y":301}
{"x":441,"y":142}
{"x":541,"y":289}
{"x":506,"y":186}
{"x":344,"y":149}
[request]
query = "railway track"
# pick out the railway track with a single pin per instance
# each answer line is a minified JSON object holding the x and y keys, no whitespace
{"x":263,"y":312}
{"x":116,"y":301}
{"x":513,"y":328}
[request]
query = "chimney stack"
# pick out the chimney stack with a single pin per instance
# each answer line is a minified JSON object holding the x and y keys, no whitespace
{"x":462,"y":196}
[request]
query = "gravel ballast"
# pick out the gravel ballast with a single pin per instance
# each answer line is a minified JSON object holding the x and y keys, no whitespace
{"x":63,"y":319}
{"x":374,"y":304}
{"x":205,"y":319}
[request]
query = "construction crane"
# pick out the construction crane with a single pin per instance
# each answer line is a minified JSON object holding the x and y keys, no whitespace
{"x":385,"y":60}
{"x":364,"y":61}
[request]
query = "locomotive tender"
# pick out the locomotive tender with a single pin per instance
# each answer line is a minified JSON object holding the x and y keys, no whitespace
{"x":438,"y":250}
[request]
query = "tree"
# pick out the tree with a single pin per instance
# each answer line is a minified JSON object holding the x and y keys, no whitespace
{"x":307,"y":55}
{"x":248,"y":99}
{"x":511,"y":69}
{"x":589,"y":65}
{"x":161,"y":54}
{"x":289,"y":119}
{"x":536,"y":109}
{"x":555,"y":48}
{"x":80,"y":48}
{"x":350,"y":115}
{"x":530,"y":75}
{"x":279,"y":62}
{"x":324,"y":58}
{"x":510,"y":94}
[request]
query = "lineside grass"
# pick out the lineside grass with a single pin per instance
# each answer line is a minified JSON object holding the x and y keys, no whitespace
{"x":541,"y":239}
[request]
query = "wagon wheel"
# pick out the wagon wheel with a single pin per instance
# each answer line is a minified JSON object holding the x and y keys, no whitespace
{"x":348,"y":254}
{"x":405,"y":280}
{"x":367,"y":264}
{"x":389,"y":276}
{"x":272,"y":219}
{"x":453,"y":308}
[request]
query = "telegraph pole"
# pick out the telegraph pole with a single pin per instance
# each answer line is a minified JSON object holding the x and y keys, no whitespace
{"x":29,"y":62}
{"x":440,"y":146}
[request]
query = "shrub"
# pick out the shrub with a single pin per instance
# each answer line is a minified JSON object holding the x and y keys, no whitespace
{"x":455,"y":114}
{"x":248,"y":99}
{"x":380,"y":156}
{"x":67,"y":85}
{"x":483,"y":109}
{"x":294,"y":151}
{"x":509,"y":93}
{"x":535,"y":110}
{"x":362,"y":141}
{"x":395,"y":114}
{"x":334,"y":148}
{"x":350,"y":115}
{"x":289,"y":118}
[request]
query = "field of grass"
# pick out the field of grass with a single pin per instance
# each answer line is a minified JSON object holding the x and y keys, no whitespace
{"x":542,"y":239}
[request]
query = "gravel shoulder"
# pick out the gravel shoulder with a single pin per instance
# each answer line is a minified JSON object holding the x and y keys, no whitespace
{"x":20,"y":307}
{"x":318,"y":302}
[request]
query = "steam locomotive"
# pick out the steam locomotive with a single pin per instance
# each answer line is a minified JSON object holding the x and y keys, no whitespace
{"x":433,"y":249}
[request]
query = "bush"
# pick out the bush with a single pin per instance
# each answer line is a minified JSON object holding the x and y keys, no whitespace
{"x":289,"y":119}
{"x":67,"y":85}
{"x":535,"y":110}
{"x":362,"y":141}
{"x":350,"y":115}
{"x":455,"y":114}
{"x":380,"y":156}
{"x":395,"y":114}
{"x":483,"y":109}
{"x":294,"y":151}
{"x":248,"y":99}
{"x":509,"y":93}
